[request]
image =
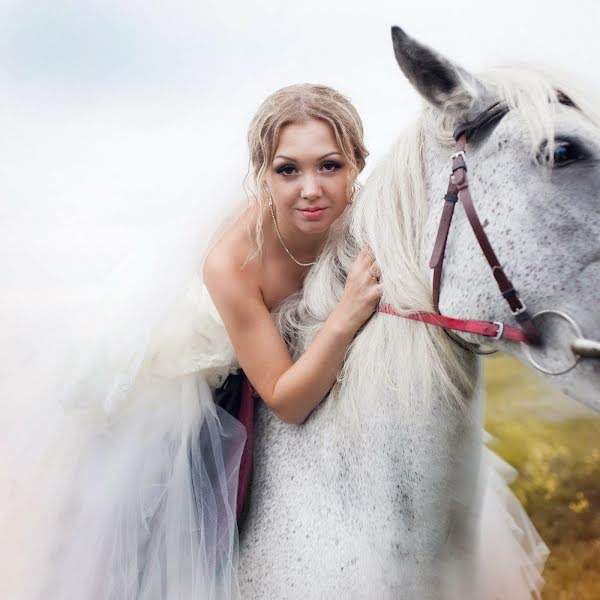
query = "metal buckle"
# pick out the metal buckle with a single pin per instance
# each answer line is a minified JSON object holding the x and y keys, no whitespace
{"x":521,"y":310}
{"x":500,"y":329}
{"x":459,"y":153}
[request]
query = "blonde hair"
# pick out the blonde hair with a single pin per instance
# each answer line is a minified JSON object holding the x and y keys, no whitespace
{"x":296,"y":103}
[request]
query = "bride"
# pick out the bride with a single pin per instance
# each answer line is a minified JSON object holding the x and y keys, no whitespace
{"x":120,"y":472}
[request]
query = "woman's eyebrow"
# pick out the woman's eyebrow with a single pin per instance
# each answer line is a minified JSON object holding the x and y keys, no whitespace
{"x":294,"y":160}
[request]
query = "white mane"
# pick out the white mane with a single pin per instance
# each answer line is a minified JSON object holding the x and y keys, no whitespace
{"x":412,"y":361}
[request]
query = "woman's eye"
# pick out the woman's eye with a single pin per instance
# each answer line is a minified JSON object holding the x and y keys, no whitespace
{"x":286,"y":170}
{"x":330,"y":166}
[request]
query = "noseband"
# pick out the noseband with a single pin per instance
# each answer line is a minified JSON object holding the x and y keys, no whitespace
{"x":527,"y":333}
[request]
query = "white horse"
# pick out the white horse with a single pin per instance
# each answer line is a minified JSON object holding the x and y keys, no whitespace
{"x":377,"y":495}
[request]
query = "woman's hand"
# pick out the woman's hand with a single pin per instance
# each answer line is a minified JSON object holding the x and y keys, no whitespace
{"x":362,"y":292}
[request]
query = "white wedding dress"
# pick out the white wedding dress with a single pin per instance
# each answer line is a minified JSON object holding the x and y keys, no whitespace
{"x":118,"y":475}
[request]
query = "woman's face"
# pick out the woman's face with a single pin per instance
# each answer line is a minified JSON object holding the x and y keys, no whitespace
{"x":308,"y":178}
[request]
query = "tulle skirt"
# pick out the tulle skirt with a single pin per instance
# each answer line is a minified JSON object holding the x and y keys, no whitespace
{"x":118,"y":473}
{"x":139,"y":507}
{"x":512,"y":552}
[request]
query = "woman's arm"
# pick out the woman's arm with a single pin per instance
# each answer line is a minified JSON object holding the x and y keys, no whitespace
{"x":291,"y":390}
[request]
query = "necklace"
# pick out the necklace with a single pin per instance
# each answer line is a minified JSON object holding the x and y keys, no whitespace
{"x":301,"y":264}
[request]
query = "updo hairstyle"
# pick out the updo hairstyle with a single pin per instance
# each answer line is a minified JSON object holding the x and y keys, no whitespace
{"x":293,"y":104}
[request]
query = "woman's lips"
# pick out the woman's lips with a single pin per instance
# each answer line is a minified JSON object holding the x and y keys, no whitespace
{"x":312,"y":213}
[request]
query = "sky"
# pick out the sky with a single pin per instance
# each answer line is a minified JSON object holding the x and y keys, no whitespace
{"x":119,"y":117}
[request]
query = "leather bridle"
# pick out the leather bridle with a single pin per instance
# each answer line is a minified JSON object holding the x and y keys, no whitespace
{"x":527,"y":333}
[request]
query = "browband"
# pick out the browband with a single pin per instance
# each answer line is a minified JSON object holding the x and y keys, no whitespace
{"x":470,"y":128}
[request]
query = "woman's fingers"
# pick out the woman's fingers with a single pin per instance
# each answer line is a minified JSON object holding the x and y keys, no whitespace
{"x":376,"y":293}
{"x":366,"y":251}
{"x":363,"y":290}
{"x":374,"y":271}
{"x":369,"y":265}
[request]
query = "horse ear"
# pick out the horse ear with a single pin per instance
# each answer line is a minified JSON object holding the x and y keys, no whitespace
{"x":442,"y":83}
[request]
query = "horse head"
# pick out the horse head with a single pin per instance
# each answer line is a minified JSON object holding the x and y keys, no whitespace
{"x":534,"y":176}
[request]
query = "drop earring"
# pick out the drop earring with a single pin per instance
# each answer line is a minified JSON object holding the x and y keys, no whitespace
{"x":353,"y":193}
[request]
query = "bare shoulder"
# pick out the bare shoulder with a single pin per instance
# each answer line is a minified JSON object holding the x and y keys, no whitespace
{"x":225,"y":267}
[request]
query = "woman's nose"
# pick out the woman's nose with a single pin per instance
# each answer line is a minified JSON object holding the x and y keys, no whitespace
{"x":310,"y":188}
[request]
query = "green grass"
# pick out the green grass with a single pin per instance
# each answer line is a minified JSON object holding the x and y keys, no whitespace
{"x":554,"y":443}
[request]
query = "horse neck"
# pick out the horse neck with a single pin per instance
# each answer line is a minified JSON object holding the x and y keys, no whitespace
{"x":417,"y":363}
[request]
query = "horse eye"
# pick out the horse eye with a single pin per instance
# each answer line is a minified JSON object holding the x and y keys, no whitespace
{"x":566,"y":153}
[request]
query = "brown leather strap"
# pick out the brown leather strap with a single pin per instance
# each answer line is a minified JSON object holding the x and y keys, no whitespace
{"x":507,"y":289}
{"x":439,"y":249}
{"x":495,"y":112}
{"x":458,"y":189}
